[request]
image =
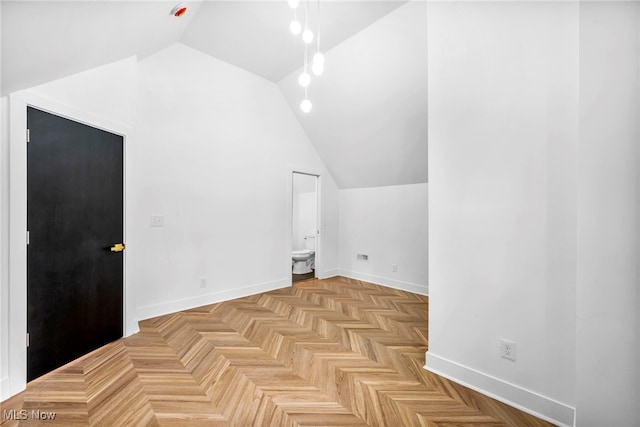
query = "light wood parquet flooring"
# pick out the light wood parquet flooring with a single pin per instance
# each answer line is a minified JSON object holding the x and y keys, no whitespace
{"x":334,"y":352}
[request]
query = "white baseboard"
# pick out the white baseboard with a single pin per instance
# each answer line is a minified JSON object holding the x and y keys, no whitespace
{"x":385,"y":281}
{"x":329,"y":273}
{"x":9,"y":389}
{"x":156,"y":310}
{"x":526,"y":400}
{"x":4,"y":388}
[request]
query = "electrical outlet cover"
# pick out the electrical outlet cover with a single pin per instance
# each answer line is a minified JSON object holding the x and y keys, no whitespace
{"x":508,"y":349}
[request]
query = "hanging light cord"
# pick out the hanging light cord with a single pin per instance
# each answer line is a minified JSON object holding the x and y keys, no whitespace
{"x":306,"y":15}
{"x":306,"y":27}
{"x":318,"y":28}
{"x":305,"y":58}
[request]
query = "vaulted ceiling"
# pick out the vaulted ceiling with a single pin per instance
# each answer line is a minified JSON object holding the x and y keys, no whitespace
{"x":368,"y":122}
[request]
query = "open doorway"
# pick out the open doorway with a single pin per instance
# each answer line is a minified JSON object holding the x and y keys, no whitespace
{"x":304,"y":250}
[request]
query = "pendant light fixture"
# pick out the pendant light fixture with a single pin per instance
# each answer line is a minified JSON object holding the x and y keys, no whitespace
{"x":307,"y":36}
{"x":305,"y":105}
{"x":304,"y":79}
{"x":317,"y":66}
{"x":295,"y":27}
{"x":318,"y":57}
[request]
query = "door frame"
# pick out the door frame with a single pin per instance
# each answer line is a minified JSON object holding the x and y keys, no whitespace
{"x":319,"y":272}
{"x":17,"y":224}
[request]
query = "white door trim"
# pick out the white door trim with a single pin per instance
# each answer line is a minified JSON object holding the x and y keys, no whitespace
{"x":15,"y":381}
{"x":289,"y":238}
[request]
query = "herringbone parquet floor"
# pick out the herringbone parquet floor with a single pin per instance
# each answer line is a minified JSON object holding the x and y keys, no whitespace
{"x":335,"y":352}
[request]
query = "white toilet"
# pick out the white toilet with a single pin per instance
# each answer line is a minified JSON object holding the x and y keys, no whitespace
{"x":304,"y":260}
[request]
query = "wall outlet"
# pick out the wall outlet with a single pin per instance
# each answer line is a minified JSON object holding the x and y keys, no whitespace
{"x":363,"y":257}
{"x":507,"y":349}
{"x":157,"y":221}
{"x":394,"y":268}
{"x":203,"y":282}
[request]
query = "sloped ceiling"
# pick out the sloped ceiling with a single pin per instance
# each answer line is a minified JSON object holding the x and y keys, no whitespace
{"x":369,"y":118}
{"x":369,"y":115}
{"x":255,"y":35}
{"x":47,"y":40}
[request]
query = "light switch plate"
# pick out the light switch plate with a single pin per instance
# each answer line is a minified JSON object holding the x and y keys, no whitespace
{"x":157,"y":221}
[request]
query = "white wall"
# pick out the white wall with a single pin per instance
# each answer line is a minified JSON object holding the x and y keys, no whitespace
{"x":4,"y":243}
{"x":209,"y":146}
{"x":305,"y":208}
{"x":534,"y":192}
{"x":305,"y":212}
{"x":389,"y":224}
{"x":4,"y":231}
{"x":216,"y":148}
{"x":608,"y":216}
{"x":502,"y":207}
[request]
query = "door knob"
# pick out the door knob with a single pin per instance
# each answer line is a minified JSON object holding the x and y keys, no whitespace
{"x":118,"y":247}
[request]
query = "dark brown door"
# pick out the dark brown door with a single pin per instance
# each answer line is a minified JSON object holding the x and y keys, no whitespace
{"x":74,"y":218}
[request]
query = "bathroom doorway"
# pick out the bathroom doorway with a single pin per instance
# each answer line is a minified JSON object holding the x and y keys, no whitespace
{"x":304,"y":248}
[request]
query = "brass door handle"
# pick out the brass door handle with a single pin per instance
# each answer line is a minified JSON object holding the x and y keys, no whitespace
{"x":118,"y":247}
